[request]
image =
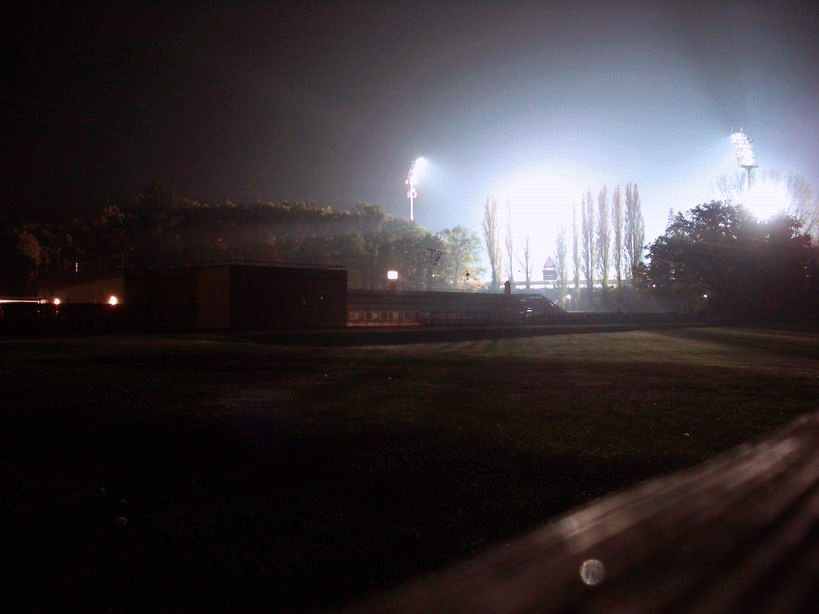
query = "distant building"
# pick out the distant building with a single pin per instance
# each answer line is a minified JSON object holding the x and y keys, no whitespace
{"x":549,"y":271}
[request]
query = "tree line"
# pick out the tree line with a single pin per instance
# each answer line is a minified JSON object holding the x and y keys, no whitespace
{"x":716,"y":258}
{"x":610,"y":239}
{"x":162,"y":229}
{"x":719,"y":259}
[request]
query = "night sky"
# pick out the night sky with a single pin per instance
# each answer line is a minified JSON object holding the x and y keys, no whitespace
{"x":330,"y":102}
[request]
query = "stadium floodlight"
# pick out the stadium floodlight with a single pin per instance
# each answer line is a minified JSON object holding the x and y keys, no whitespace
{"x":416,"y":167}
{"x":744,"y":149}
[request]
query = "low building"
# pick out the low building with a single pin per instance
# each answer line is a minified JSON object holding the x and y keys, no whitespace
{"x":217,"y":296}
{"x":387,"y":308}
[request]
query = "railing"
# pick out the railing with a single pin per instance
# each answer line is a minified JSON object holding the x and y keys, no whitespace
{"x":737,"y":534}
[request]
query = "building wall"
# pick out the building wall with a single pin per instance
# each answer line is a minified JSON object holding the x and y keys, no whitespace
{"x":213,"y":297}
{"x":283,"y":297}
{"x":240,"y":296}
{"x":218,"y":297}
{"x":165,"y":299}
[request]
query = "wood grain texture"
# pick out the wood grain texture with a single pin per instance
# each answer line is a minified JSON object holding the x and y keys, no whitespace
{"x":739,"y":533}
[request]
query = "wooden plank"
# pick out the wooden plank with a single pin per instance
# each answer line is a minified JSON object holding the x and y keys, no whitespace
{"x":738,"y":533}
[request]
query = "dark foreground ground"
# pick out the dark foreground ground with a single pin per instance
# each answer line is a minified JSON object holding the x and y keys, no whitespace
{"x":190,"y":473}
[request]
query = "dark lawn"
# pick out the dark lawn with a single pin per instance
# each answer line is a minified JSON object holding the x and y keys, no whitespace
{"x":194,"y":472}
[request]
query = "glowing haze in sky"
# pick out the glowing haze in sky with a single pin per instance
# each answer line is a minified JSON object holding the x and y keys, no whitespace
{"x":533,"y":102}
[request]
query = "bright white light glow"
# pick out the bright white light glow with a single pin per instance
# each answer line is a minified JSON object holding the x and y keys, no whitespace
{"x":744,"y":149}
{"x":113,"y":300}
{"x":540,"y":198}
{"x":766,"y":199}
{"x":56,"y":301}
{"x":392,"y":275}
{"x":415,"y":171}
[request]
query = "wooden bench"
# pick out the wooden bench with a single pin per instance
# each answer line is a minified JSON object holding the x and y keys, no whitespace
{"x":739,"y":533}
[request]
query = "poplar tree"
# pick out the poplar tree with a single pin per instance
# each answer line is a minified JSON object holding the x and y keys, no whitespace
{"x":575,"y":250}
{"x":562,"y":280}
{"x":603,"y":237}
{"x":510,"y":249}
{"x":635,"y":229}
{"x":617,"y":225}
{"x":492,"y":240}
{"x":587,"y":233}
{"x":526,"y":261}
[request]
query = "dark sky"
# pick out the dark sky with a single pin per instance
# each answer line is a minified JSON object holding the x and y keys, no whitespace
{"x":331,"y":101}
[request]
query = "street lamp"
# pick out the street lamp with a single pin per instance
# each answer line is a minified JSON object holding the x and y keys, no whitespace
{"x":412,"y":181}
{"x":392,"y":280}
{"x":744,"y":150}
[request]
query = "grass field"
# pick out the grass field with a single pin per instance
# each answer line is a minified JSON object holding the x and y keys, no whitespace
{"x":210,"y":472}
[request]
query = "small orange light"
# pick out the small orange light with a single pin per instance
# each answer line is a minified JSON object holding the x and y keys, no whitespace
{"x":113,"y":300}
{"x":56,"y":301}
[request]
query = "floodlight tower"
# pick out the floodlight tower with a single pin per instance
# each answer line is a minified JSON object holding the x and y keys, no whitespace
{"x":412,"y":181}
{"x":744,"y":149}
